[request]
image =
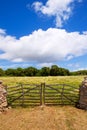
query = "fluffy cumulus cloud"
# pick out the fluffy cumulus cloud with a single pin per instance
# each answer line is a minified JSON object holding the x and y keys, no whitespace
{"x":2,"y":32}
{"x":60,"y":9}
{"x":43,"y":46}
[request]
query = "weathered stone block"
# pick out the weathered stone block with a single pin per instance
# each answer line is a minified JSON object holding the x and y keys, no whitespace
{"x":83,"y":95}
{"x":3,"y":99}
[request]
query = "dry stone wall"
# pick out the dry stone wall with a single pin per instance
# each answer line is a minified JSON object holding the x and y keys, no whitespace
{"x":3,"y":100}
{"x":83,"y":95}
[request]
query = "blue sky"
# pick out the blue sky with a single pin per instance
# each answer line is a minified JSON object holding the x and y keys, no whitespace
{"x":42,"y":33}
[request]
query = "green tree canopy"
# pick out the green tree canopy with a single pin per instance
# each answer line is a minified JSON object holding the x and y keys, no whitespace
{"x":45,"y":71}
{"x":2,"y":73}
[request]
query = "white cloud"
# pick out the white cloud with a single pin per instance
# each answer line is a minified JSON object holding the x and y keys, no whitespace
{"x":15,"y":65}
{"x":85,"y":32}
{"x":45,"y":64}
{"x":75,"y":65}
{"x":2,"y":32}
{"x":42,"y":46}
{"x":79,"y":68}
{"x":61,"y":9}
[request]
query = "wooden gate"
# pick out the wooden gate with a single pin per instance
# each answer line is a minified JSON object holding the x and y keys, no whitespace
{"x":53,"y":94}
{"x":24,"y":95}
{"x":60,"y":94}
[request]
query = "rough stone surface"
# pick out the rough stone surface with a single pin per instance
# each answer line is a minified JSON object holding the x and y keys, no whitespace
{"x":3,"y":99}
{"x":83,"y":95}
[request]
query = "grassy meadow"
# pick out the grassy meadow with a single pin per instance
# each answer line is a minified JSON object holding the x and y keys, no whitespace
{"x":71,"y":80}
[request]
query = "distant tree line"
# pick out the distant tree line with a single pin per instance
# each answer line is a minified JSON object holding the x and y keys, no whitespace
{"x":80,"y":72}
{"x":54,"y":70}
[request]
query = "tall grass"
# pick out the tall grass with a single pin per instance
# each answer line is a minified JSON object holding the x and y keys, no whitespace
{"x":71,"y":80}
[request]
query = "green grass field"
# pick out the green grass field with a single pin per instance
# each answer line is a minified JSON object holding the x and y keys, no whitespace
{"x":71,"y":80}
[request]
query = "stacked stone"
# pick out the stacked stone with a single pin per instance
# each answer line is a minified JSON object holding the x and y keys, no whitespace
{"x":3,"y":100}
{"x":83,"y":95}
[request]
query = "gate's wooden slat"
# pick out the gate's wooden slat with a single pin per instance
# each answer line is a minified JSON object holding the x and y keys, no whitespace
{"x":46,"y":99}
{"x":27,"y":101}
{"x":32,"y":92}
{"x":34,"y":88}
{"x":30,"y":99}
{"x":15,"y":93}
{"x":9,"y":91}
{"x":14,"y":87}
{"x":56,"y":104}
{"x":66,"y":92}
{"x":52,"y":93}
{"x":25,"y":105}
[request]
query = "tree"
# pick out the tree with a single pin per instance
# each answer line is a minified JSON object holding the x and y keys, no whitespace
{"x":45,"y":71}
{"x":10,"y":72}
{"x":54,"y":70}
{"x":2,"y":73}
{"x":64,"y":72}
{"x":19,"y":72}
{"x":30,"y":71}
{"x":79,"y":72}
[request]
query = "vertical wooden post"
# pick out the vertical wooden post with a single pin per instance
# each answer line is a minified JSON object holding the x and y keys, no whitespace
{"x":22,"y":94}
{"x":42,"y":94}
{"x":62,"y":95}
